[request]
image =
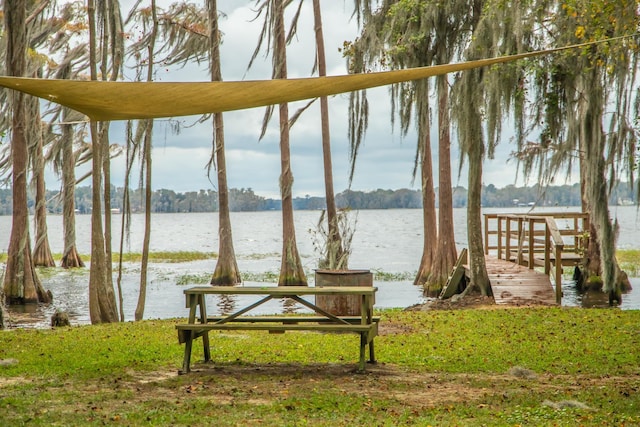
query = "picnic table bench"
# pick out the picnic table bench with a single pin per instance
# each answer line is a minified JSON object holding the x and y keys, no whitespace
{"x":199,"y":324}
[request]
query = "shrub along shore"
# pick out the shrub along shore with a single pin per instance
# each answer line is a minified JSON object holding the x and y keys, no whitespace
{"x":629,"y":260}
{"x":483,"y":366}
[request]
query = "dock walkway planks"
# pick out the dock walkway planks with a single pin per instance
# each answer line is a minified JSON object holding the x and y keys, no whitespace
{"x":513,"y":284}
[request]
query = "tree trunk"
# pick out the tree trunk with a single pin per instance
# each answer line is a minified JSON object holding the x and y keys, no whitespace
{"x":3,"y":314}
{"x":429,"y":222}
{"x":477,"y":262}
{"x":21,"y":283}
{"x":142,"y":295}
{"x":102,"y":303}
{"x":589,"y":277}
{"x":446,"y":253}
{"x":593,"y":136}
{"x":291,"y":271}
{"x":146,"y":150}
{"x":70,"y":256}
{"x":226,"y":271}
{"x":106,"y":173}
{"x":334,"y":239}
{"x":42,"y":251}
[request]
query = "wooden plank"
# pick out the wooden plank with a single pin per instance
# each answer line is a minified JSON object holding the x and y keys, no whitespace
{"x":455,"y":278}
{"x":512,"y":283}
{"x":291,"y":319}
{"x":276,"y":327}
{"x":281,"y":291}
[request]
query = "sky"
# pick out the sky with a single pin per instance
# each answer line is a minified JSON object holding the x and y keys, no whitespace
{"x":385,"y":160}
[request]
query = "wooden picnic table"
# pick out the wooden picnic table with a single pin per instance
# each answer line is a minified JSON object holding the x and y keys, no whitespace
{"x":199,"y":324}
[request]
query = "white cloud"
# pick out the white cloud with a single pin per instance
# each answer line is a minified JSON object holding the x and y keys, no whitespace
{"x":385,"y":159}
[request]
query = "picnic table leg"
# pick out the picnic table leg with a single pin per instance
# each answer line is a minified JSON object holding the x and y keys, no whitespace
{"x":205,"y":334}
{"x":188,"y":344}
{"x":372,"y":357}
{"x":363,"y":343}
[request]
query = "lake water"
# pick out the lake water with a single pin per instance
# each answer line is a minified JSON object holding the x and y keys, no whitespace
{"x":384,"y":240}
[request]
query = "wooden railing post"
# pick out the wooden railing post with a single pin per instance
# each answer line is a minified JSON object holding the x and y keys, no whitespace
{"x":507,"y":240}
{"x":521,"y":234}
{"x":547,"y":250}
{"x":486,"y":234}
{"x":558,"y":245}
{"x":559,"y":275}
{"x":531,"y":242}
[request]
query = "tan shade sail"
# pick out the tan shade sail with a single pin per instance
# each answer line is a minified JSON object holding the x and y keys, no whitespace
{"x":101,"y":100}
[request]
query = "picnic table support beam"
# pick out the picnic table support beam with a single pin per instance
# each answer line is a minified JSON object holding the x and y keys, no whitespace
{"x":365,"y":325}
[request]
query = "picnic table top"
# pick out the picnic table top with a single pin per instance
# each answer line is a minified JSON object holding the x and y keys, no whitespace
{"x":282,"y":291}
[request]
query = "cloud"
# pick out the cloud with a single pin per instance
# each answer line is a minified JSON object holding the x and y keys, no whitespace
{"x":385,"y":160}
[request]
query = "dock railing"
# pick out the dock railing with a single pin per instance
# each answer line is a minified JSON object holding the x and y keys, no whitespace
{"x":537,"y":240}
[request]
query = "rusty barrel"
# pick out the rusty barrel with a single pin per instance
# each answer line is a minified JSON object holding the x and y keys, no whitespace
{"x":342,"y":305}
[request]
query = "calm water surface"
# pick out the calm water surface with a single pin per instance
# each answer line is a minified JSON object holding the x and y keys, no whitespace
{"x":385,"y":240}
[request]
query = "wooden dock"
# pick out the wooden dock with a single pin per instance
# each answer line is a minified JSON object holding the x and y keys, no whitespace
{"x":514,"y":284}
{"x":523,"y":242}
{"x":517,"y":247}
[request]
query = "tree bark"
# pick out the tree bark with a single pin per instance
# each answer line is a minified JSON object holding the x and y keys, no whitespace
{"x":142,"y":295}
{"x":334,"y":239}
{"x":477,"y":261}
{"x":70,"y":256}
{"x":226,"y":271}
{"x":146,"y":155}
{"x":592,"y":134}
{"x":291,"y":271}
{"x":42,"y":251}
{"x":102,"y":303}
{"x":446,"y":254}
{"x":3,"y":314}
{"x":429,"y":216}
{"x":21,"y":283}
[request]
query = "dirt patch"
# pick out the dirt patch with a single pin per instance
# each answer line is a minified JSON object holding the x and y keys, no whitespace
{"x":6,"y":382}
{"x":266,"y":384}
{"x":475,"y":301}
{"x":457,"y":303}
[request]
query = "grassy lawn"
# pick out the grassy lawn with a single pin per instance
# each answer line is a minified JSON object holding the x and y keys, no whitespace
{"x":524,"y":366}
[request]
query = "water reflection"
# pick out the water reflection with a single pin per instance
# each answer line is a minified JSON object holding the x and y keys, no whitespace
{"x":226,"y":304}
{"x":595,"y":299}
{"x":165,"y":299}
{"x":289,"y":306}
{"x":598,"y":299}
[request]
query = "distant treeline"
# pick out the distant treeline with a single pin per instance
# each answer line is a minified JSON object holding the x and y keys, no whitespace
{"x":245,"y":199}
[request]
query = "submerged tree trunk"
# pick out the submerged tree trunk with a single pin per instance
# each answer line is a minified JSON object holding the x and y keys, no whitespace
{"x":446,"y":254}
{"x":70,"y":256}
{"x":102,"y":302}
{"x":146,"y":150}
{"x":226,"y":271}
{"x":593,"y":137}
{"x":146,"y":162}
{"x":335,"y":247}
{"x":291,"y":271}
{"x":429,"y":221}
{"x":477,"y":261}
{"x":21,"y":283}
{"x":42,"y":251}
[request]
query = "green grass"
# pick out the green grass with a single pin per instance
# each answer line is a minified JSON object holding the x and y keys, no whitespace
{"x":629,"y":260}
{"x":435,"y":368}
{"x":167,"y":257}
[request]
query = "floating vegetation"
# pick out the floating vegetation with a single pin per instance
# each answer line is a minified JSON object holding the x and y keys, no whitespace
{"x":629,"y":260}
{"x":193,"y":279}
{"x":260,"y":256}
{"x":169,"y":257}
{"x":267,"y":276}
{"x":383,"y":276}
